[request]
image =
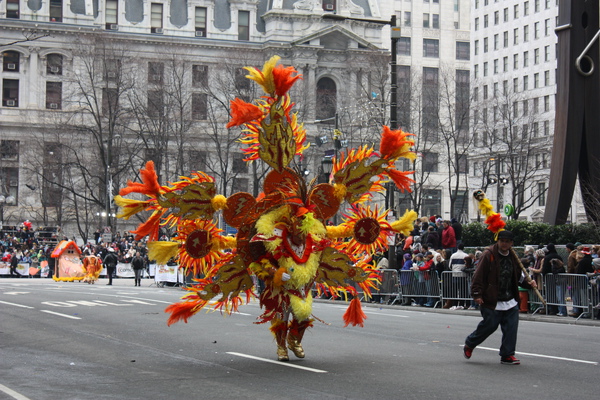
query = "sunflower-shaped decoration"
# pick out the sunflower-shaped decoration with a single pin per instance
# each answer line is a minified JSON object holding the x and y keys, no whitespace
{"x":283,"y":237}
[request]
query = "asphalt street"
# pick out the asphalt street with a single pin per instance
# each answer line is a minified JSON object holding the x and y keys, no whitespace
{"x":80,"y":341}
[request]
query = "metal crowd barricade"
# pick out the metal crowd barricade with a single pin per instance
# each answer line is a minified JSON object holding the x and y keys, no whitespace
{"x":420,"y":286}
{"x":595,"y":295}
{"x":388,"y":286}
{"x":456,"y":287}
{"x":557,"y":288}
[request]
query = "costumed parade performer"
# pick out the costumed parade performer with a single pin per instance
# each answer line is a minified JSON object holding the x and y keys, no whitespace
{"x":495,"y":287}
{"x":282,"y":235}
{"x":92,"y":268}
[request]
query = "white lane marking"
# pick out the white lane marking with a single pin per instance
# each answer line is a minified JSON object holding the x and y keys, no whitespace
{"x":546,"y":356}
{"x":59,"y":314}
{"x":16,"y":293}
{"x":283,"y":364}
{"x":12,"y":393}
{"x":16,"y":305}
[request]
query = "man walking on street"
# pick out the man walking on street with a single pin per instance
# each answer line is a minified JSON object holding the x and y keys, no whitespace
{"x":495,"y":289}
{"x":110,"y":262}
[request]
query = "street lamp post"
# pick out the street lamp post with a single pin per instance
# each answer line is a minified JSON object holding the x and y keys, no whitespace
{"x":394,"y":35}
{"x":108,"y":180}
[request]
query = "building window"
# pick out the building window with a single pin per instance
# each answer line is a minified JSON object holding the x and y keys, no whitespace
{"x":485,"y":45}
{"x":407,"y":18}
{"x":9,"y":183}
{"x":505,"y":37}
{"x":485,"y":68}
{"x":200,"y":21}
{"x":536,"y":80}
{"x":239,"y":166}
{"x":112,"y":69}
{"x":515,"y":61}
{"x":496,"y":17}
{"x":546,"y":78}
{"x":155,"y":103}
{"x":476,"y":24}
{"x":462,"y":99}
{"x":526,"y":33}
{"x":485,"y":21}
{"x":156,"y":18}
{"x":197,"y":160}
{"x":326,"y":98}
{"x":431,"y":105}
{"x":463,"y":51}
{"x":110,"y":98}
{"x":516,"y":85}
{"x":12,"y":9}
{"x":11,"y":61}
{"x":430,"y":161}
{"x":435,"y":21}
{"x":432,"y":202}
{"x":199,"y":75}
{"x":546,"y":128}
{"x":10,"y":92}
{"x":516,"y":11}
{"x":329,"y":5}
{"x":496,"y":66}
{"x":496,"y":42}
{"x":431,"y":48}
{"x":505,"y":64}
{"x":403,"y":48}
{"x":536,"y":56}
{"x":156,"y":72}
{"x":54,"y":64}
{"x":111,"y":19}
{"x":547,"y":53}
{"x":243,"y":25}
{"x":476,"y":49}
{"x":54,"y":95}
{"x":516,"y":36}
{"x":541,"y":192}
{"x":425,"y":20}
{"x":505,"y":12}
{"x":404,"y":96}
{"x":199,"y":106}
{"x":546,"y":103}
{"x":547,"y":27}
{"x":525,"y":59}
{"x":56,"y":12}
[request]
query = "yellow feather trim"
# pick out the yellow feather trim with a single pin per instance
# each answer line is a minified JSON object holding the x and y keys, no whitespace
{"x":301,"y":274}
{"x":223,"y":242}
{"x":339,"y":191}
{"x":266,"y":223}
{"x":218,"y":202}
{"x":405,"y":224}
{"x":486,"y":207}
{"x":162,"y":252}
{"x":301,"y":308}
{"x":312,"y":225}
{"x":129,"y":207}
{"x":340,"y":231}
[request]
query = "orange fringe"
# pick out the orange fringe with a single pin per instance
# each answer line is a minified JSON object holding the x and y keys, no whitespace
{"x":150,"y":185}
{"x":354,"y":314}
{"x":181,"y":311}
{"x":150,"y":227}
{"x":242,"y":112}
{"x":400,"y":178}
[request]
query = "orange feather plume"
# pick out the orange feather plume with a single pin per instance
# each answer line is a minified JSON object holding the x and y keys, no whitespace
{"x":183,"y":311}
{"x":354,"y":314}
{"x":393,"y":143}
{"x":149,"y":185}
{"x":150,"y":227}
{"x":495,"y":223}
{"x":400,"y":178}
{"x":283,"y":79}
{"x":242,"y":112}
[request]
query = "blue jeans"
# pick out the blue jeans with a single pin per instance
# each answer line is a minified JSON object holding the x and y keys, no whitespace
{"x":509,"y":323}
{"x":560,"y":298}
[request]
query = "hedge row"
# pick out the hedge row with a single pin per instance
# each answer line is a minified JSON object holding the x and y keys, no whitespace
{"x":475,"y":234}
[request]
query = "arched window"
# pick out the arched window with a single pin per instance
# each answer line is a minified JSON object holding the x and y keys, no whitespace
{"x":326,"y":98}
{"x":54,"y":64}
{"x":10,"y":61}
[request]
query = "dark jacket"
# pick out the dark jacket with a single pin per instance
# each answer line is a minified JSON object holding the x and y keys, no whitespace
{"x":487,"y":275}
{"x":585,"y":265}
{"x":110,"y":260}
{"x":547,"y":267}
{"x":138,"y":262}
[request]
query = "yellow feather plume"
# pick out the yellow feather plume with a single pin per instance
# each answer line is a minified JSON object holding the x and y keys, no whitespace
{"x":340,"y":231}
{"x":405,"y":224}
{"x":219,"y":202}
{"x":223,"y":242}
{"x":130,"y":207}
{"x":340,"y":191}
{"x":162,"y":252}
{"x":265,"y":77}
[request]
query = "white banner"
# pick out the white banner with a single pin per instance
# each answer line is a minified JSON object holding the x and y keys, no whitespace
{"x":125,"y":270}
{"x":166,"y":273}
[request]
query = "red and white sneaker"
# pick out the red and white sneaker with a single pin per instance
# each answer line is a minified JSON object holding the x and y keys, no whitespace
{"x":510,"y":360}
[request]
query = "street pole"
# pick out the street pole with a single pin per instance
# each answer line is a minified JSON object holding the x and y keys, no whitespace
{"x":395,"y":35}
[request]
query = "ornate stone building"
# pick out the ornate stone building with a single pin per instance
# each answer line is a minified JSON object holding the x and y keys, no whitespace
{"x":93,"y":88}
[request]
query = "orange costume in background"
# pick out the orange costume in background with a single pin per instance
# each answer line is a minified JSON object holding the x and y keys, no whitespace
{"x":92,"y":266}
{"x":283,"y":237}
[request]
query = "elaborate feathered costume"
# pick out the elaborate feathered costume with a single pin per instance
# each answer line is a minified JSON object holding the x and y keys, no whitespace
{"x":92,"y":268}
{"x":282,"y":235}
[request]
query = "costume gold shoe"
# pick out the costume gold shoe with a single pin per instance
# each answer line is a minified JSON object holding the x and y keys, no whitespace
{"x":282,"y":354}
{"x":295,"y":346}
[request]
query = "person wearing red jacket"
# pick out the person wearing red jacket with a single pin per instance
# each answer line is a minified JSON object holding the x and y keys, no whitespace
{"x":448,"y":237}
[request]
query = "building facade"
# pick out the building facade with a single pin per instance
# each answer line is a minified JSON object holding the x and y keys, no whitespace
{"x":93,"y":89}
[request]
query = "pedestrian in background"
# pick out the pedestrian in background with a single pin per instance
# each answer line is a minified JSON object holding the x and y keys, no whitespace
{"x":138,"y":264}
{"x":110,"y":261}
{"x":495,"y":289}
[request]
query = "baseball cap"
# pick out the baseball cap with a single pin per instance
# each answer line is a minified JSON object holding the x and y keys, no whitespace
{"x":506,"y":235}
